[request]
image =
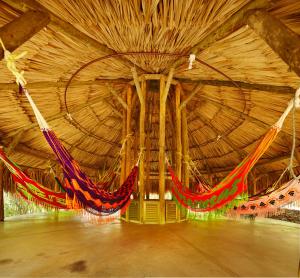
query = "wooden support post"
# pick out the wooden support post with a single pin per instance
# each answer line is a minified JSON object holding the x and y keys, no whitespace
{"x":148,"y":168}
{"x":284,"y":41}
{"x":164,"y":90}
{"x":123,"y":154}
{"x":178,"y":131}
{"x":185,"y":148}
{"x":1,"y":193}
{"x":15,"y":33}
{"x":141,"y":91}
{"x":142,"y":149}
{"x":128,"y":132}
{"x":162,"y":136}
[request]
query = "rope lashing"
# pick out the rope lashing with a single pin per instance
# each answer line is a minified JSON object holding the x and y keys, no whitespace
{"x":11,"y":59}
{"x":192,"y":59}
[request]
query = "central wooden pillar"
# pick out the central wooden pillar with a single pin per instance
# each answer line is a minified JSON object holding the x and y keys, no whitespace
{"x":163,"y":93}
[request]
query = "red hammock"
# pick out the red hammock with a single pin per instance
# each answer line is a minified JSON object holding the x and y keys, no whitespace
{"x":31,"y":190}
{"x":229,"y":188}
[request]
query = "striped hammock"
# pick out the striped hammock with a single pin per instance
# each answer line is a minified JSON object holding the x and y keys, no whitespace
{"x":224,"y":195}
{"x":271,"y":202}
{"x":82,"y":192}
{"x":31,"y":190}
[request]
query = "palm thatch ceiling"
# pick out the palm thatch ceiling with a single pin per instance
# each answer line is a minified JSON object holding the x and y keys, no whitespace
{"x":224,"y":121}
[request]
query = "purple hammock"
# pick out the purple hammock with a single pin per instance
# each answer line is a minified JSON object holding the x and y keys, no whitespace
{"x":81,"y":190}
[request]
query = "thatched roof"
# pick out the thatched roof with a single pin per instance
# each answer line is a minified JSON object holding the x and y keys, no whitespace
{"x":224,"y":122}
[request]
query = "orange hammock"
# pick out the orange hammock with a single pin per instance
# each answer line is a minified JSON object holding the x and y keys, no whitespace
{"x":229,"y":188}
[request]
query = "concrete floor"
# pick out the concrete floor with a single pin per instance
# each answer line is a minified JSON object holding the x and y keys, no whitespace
{"x":70,"y":247}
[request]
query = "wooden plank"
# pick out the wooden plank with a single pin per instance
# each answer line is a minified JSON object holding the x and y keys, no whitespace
{"x":217,"y":83}
{"x":20,"y":30}
{"x":284,"y":41}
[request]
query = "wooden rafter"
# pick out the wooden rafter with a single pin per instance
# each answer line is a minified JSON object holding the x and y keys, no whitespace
{"x":61,"y":25}
{"x":18,"y":31}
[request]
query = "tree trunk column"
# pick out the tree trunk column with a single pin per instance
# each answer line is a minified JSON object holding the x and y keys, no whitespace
{"x":123,"y":154}
{"x":162,"y":138}
{"x":178,"y":131}
{"x":284,"y":41}
{"x":129,"y":138}
{"x":185,"y":148}
{"x":142,"y":150}
{"x":178,"y":153}
{"x":1,"y":194}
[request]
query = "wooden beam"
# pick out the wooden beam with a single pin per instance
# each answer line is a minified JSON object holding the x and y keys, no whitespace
{"x":191,"y":95}
{"x":115,"y":94}
{"x":20,"y":30}
{"x":232,"y":24}
{"x":63,"y":26}
{"x":63,"y":84}
{"x":283,"y":41}
{"x":59,"y":24}
{"x":241,"y":85}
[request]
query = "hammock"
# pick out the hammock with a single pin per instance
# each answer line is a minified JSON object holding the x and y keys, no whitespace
{"x":30,"y":189}
{"x":235,"y":184}
{"x":79,"y":186}
{"x":269,"y":203}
